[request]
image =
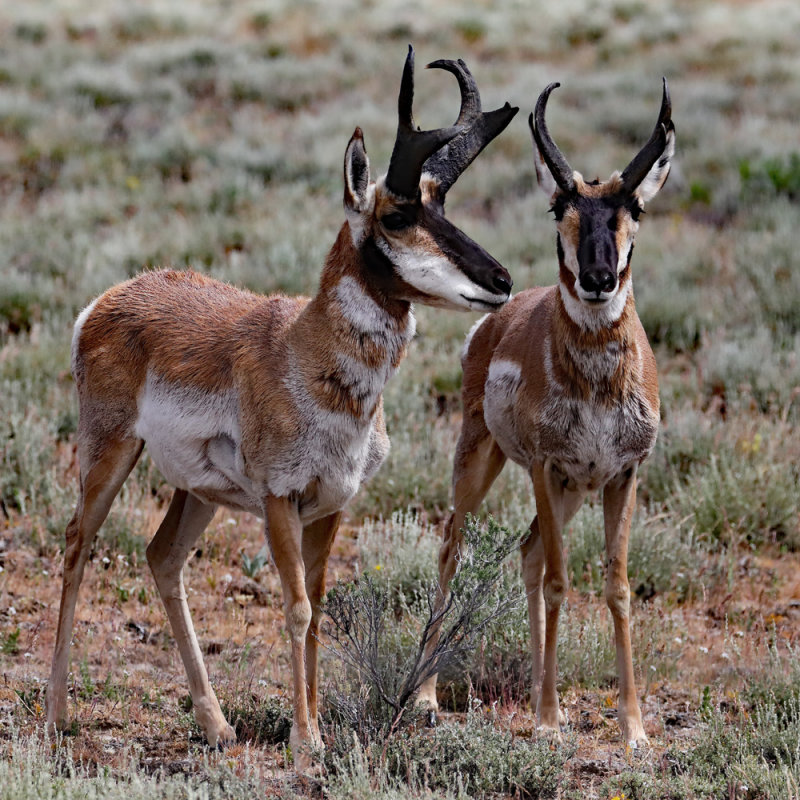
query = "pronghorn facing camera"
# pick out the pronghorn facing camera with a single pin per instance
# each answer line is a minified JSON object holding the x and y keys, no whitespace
{"x":563,"y":382}
{"x":272,"y":404}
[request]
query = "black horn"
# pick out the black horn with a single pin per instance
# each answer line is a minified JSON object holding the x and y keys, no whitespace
{"x":553,"y":157}
{"x":412,"y":146}
{"x":643,"y":161}
{"x":479,"y":128}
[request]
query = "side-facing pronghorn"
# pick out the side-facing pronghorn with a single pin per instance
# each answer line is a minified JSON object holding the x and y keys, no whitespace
{"x":272,"y":404}
{"x":563,"y":382}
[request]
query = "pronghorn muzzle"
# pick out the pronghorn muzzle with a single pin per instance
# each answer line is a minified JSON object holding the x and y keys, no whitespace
{"x":470,"y":258}
{"x":597,"y":255}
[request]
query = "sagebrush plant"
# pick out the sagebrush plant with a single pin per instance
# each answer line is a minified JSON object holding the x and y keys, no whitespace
{"x":381,"y":634}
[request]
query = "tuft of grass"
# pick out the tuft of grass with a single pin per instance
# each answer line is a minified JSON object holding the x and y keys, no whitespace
{"x":262,"y":721}
{"x":33,"y":767}
{"x":739,"y":499}
{"x":476,"y":759}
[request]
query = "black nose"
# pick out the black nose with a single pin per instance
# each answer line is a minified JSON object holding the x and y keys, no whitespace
{"x":597,"y":282}
{"x":502,"y":283}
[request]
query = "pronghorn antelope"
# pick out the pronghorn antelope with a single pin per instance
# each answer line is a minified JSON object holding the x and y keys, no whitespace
{"x":273,"y":405}
{"x":563,"y":382}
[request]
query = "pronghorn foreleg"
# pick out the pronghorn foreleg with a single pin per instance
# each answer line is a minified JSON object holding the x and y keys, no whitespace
{"x":478,"y":462}
{"x":554,"y":505}
{"x":100,"y":482}
{"x":533,"y":570}
{"x":186,"y":519}
{"x":619,"y":500}
{"x":317,"y":542}
{"x":284,"y":533}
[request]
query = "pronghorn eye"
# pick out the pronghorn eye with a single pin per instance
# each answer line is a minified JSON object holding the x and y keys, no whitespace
{"x":635,"y":210}
{"x":558,"y":208}
{"x":395,"y":221}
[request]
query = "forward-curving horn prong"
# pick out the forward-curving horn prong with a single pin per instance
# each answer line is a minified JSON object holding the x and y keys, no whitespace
{"x":553,"y":157}
{"x":412,"y":146}
{"x":480,"y":127}
{"x":644,"y":160}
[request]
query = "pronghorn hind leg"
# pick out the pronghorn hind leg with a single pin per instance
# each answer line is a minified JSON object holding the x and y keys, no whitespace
{"x":100,"y":482}
{"x":533,"y":571}
{"x":186,"y":519}
{"x":478,"y":462}
{"x":619,"y":501}
{"x":317,"y":542}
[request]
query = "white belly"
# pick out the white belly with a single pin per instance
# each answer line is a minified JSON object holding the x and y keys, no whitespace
{"x":194,"y":438}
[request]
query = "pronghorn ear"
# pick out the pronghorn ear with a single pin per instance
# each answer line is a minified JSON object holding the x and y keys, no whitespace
{"x":659,"y":172}
{"x":356,"y":174}
{"x":547,"y":183}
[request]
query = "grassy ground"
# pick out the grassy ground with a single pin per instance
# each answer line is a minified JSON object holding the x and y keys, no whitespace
{"x":211,"y":135}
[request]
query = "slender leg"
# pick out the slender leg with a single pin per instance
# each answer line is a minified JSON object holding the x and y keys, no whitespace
{"x":100,"y":481}
{"x":284,"y":532}
{"x":533,"y":569}
{"x":554,"y":505}
{"x":619,"y":500}
{"x":478,"y":462}
{"x":186,"y":519}
{"x":317,"y":542}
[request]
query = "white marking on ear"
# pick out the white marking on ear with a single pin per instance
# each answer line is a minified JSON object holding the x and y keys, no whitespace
{"x":76,"y":331}
{"x":547,"y":183}
{"x":359,"y":193}
{"x":659,"y":172}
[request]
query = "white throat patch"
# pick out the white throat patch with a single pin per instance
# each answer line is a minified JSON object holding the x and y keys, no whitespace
{"x":591,"y":318}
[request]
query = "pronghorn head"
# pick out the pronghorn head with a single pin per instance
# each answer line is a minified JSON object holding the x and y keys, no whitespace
{"x":596,"y":221}
{"x":410,"y":250}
